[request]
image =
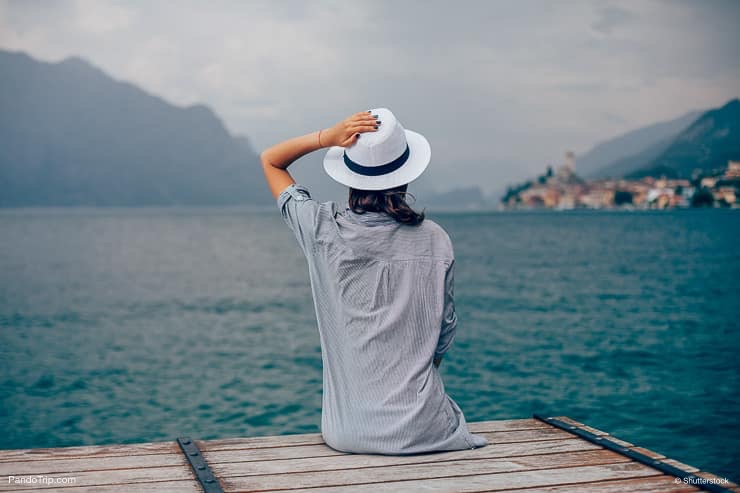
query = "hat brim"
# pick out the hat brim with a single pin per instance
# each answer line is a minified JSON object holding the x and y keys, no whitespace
{"x":420,"y":153}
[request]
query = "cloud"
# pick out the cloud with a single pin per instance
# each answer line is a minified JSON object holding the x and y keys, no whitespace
{"x":612,"y":17}
{"x":499,"y":88}
{"x":101,"y":18}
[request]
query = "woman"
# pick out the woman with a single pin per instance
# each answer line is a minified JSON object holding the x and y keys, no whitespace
{"x":382,"y":282}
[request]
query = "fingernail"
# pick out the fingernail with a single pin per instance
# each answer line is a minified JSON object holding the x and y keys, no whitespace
{"x":376,"y":127}
{"x":369,"y":111}
{"x":375,"y":116}
{"x":378,"y":122}
{"x":357,"y":135}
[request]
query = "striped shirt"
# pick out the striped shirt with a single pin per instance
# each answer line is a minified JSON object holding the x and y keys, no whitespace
{"x":383,"y":294}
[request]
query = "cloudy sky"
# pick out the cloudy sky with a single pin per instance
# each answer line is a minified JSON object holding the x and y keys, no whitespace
{"x":500,"y":88}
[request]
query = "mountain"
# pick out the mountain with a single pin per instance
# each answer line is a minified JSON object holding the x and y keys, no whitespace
{"x":72,"y":135}
{"x":455,"y":199}
{"x":707,"y":144}
{"x":627,"y":165}
{"x":597,"y":162}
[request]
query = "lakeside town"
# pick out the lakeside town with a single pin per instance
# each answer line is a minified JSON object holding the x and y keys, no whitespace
{"x":563,"y":189}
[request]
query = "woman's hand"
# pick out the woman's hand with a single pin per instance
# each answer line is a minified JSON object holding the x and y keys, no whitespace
{"x":346,"y":132}
{"x":277,"y":158}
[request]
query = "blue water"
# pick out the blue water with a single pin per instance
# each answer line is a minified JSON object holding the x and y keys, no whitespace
{"x":128,"y":325}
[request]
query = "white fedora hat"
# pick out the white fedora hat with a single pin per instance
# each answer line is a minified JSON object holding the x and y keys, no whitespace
{"x":387,"y":158}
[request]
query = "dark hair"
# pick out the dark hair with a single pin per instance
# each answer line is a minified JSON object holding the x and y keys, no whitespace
{"x":392,"y":201}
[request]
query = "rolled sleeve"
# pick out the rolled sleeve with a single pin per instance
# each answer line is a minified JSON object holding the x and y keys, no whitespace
{"x":299,"y":212}
{"x":449,"y":317}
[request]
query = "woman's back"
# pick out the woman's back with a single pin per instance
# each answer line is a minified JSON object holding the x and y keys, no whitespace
{"x":383,"y":298}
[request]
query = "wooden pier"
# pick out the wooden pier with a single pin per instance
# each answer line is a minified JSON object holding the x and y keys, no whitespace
{"x":546,"y":454}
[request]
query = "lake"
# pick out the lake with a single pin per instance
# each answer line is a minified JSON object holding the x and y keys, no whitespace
{"x":143,"y":324}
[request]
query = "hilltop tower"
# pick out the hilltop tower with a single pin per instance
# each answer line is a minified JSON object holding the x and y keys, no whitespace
{"x":567,"y":171}
{"x":570,"y":161}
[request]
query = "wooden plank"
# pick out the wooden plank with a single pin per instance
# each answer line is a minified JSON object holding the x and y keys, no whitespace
{"x":680,"y":465}
{"x":15,"y":455}
{"x":506,"y":425}
{"x":239,"y":443}
{"x":65,"y":465}
{"x":312,"y":451}
{"x":648,"y":452}
{"x":504,"y":481}
{"x":568,"y":420}
{"x":270,"y":453}
{"x":653,"y":457}
{"x":724,"y":482}
{"x":654,"y":484}
{"x":583,"y":426}
{"x":119,"y":450}
{"x":595,"y":431}
{"x":527,"y":435}
{"x":233,"y":476}
{"x":155,"y":487}
{"x":518,"y":453}
{"x":441,"y":463}
{"x":244,"y":443}
{"x":121,"y":476}
{"x":621,"y":442}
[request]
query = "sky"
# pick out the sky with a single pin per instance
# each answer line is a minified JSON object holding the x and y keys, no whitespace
{"x":500,"y":88}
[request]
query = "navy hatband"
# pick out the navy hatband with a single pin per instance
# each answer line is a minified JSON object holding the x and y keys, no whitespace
{"x":377,"y":170}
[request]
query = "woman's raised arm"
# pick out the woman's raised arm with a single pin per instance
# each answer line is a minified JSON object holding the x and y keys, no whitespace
{"x":276,"y":159}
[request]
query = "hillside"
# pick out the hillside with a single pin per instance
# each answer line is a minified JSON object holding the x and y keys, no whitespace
{"x":707,"y":144}
{"x":630,"y":164}
{"x":601,"y":161}
{"x":72,"y":135}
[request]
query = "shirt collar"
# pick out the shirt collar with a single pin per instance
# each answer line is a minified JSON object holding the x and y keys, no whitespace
{"x":369,"y":218}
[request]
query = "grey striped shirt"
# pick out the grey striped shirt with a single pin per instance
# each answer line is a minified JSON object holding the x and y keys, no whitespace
{"x":383,"y":294}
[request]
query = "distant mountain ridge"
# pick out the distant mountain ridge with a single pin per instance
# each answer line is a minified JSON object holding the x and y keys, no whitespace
{"x":613,"y":157}
{"x":72,"y":135}
{"x":698,"y":140}
{"x":707,"y":144}
{"x":630,"y":164}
